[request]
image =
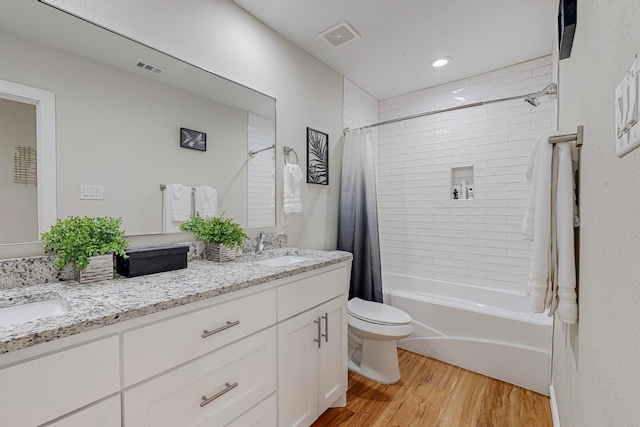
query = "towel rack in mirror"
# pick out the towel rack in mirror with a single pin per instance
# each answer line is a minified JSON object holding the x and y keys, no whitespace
{"x":253,"y":153}
{"x":289,"y":150}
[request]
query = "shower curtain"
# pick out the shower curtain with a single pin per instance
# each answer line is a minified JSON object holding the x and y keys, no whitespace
{"x":358,"y":215}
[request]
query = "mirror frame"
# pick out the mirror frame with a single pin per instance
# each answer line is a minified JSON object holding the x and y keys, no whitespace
{"x":45,"y":103}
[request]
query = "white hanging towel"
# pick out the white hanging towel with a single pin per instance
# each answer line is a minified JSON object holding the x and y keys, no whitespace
{"x":291,"y":200}
{"x":177,"y":207}
{"x":549,"y":222}
{"x":206,"y":201}
{"x":536,"y":224}
{"x":566,"y":156}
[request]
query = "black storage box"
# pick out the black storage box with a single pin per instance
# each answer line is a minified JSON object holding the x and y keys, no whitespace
{"x":152,"y":259}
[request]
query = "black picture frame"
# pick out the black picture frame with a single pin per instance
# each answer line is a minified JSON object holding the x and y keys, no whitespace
{"x":193,"y":139}
{"x":567,"y":21}
{"x":317,"y":157}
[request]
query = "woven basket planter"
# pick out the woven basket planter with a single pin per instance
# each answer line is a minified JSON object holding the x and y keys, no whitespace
{"x":100,"y":268}
{"x":218,"y":252}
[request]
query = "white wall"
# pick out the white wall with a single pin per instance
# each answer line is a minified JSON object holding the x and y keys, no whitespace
{"x":221,"y":37}
{"x":596,"y":374}
{"x":18,"y":202}
{"x":425,"y":233}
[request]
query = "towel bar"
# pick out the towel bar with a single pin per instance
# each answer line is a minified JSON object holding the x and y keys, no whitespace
{"x":164,"y":187}
{"x":570,"y":137}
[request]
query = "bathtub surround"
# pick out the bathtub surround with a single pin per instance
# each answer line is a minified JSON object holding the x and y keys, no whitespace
{"x":358,"y":215}
{"x":486,"y":330}
{"x":422,"y":231}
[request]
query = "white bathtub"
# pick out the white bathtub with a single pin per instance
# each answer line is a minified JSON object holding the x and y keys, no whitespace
{"x":490,"y":331}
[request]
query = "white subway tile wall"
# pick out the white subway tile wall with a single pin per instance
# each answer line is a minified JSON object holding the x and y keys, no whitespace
{"x":422,"y":231}
{"x":359,"y":108}
{"x":261,"y":178}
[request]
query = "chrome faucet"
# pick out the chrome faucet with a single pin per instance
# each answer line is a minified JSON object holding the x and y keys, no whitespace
{"x":260,"y":242}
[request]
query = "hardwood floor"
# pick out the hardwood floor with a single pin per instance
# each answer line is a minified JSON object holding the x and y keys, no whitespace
{"x":434,"y":393}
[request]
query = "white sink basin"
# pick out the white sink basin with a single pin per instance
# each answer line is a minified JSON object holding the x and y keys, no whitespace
{"x":282,"y":261}
{"x":22,"y":313}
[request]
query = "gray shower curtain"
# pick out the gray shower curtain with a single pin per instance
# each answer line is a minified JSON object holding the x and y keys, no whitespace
{"x":358,"y":215}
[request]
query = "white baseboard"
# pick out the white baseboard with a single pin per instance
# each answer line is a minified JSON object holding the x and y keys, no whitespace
{"x":555,"y":416}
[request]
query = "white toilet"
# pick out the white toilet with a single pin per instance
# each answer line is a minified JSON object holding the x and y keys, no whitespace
{"x":373,"y":331}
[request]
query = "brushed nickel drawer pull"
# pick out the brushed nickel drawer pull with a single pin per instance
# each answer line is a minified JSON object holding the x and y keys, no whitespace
{"x":220,"y":329}
{"x":326,"y":326}
{"x":319,"y":340}
{"x":206,"y":400}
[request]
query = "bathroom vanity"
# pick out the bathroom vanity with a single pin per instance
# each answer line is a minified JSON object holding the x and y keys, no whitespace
{"x":233,"y":344}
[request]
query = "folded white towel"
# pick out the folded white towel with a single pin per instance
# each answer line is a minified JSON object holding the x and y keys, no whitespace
{"x":536,"y":225}
{"x":566,"y":264}
{"x":291,"y":200}
{"x":177,"y":207}
{"x":206,"y":201}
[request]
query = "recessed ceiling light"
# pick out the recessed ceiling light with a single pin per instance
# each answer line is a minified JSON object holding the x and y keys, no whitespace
{"x":440,"y":62}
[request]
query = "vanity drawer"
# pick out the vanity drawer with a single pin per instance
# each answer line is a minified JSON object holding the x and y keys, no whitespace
{"x":234,"y":378}
{"x":154,"y":349}
{"x":306,"y":293}
{"x":40,"y":390}
{"x":103,"y":414}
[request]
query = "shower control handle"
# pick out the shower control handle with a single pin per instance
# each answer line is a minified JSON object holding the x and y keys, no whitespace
{"x":319,"y":340}
{"x":326,"y":327}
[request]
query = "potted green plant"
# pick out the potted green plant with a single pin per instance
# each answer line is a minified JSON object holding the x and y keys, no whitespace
{"x":222,"y":236}
{"x":90,"y":243}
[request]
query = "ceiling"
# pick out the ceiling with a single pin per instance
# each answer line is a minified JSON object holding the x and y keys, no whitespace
{"x":400,"y":38}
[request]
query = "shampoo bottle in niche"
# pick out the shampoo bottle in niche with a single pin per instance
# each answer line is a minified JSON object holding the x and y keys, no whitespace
{"x":463,"y":189}
{"x":470,"y":192}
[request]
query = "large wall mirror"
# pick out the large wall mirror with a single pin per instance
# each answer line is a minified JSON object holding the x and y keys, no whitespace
{"x":118,"y":109}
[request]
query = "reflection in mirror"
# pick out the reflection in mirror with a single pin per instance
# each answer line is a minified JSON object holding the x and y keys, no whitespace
{"x":119,"y":109}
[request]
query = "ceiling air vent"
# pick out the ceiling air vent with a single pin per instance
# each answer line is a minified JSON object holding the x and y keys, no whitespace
{"x":148,"y":67}
{"x":339,"y":35}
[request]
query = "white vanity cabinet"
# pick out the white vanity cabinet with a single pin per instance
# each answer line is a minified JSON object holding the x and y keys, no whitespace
{"x":269,"y":355}
{"x":312,"y":348}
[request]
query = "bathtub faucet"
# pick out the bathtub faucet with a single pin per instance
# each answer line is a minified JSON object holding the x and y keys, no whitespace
{"x":260,"y":242}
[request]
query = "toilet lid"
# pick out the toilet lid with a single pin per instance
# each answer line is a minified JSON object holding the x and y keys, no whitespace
{"x":375,"y":312}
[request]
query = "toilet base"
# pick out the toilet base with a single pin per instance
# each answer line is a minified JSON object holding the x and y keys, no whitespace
{"x":377,"y":360}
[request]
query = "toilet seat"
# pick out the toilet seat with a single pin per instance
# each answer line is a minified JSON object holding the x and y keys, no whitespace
{"x":377,"y":313}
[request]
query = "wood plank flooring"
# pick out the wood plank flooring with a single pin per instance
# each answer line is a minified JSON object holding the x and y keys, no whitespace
{"x":435,"y":394}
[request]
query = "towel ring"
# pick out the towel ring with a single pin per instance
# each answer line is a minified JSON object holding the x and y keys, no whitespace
{"x":287,"y":151}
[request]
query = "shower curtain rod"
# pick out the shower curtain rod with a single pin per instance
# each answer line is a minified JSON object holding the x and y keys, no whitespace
{"x":531,"y":98}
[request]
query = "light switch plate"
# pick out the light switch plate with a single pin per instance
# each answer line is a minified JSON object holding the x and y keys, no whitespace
{"x":91,"y":192}
{"x":627,"y":99}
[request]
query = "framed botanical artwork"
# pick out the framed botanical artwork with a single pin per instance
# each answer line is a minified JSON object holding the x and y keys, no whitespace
{"x":193,"y":139}
{"x":317,"y":157}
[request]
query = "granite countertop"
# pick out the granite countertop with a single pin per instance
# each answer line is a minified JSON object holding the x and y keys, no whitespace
{"x":95,"y":305}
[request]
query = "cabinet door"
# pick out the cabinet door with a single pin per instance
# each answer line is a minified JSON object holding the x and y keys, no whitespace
{"x":298,"y":370}
{"x":333,"y":352}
